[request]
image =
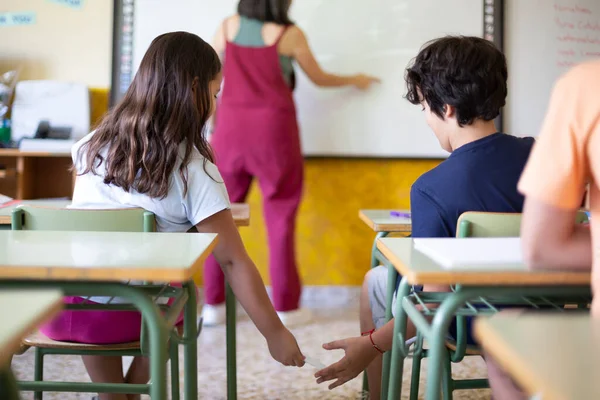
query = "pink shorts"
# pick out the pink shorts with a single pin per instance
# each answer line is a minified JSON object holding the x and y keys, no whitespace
{"x":96,"y":326}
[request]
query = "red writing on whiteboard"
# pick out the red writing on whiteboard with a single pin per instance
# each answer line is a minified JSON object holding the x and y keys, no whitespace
{"x":590,"y":53}
{"x":589,"y":26}
{"x":567,"y":53}
{"x":578,"y":39}
{"x":567,"y":64}
{"x":564,"y":24}
{"x":570,"y":9}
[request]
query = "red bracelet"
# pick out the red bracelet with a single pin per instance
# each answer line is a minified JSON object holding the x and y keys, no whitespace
{"x":370,"y":333}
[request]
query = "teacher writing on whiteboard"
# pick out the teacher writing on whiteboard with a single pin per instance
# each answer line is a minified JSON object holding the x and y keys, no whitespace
{"x":256,"y":136}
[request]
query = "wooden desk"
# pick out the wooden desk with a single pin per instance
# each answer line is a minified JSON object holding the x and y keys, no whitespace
{"x":103,"y":256}
{"x":21,"y":312}
{"x":241,"y":214}
{"x":30,"y":175}
{"x":100,"y":264}
{"x":240,"y":211}
{"x":382,"y":221}
{"x":418,"y":269}
{"x":554,"y":355}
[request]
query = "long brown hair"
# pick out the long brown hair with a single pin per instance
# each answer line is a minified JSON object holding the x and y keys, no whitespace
{"x":266,"y":10}
{"x":158,"y":112}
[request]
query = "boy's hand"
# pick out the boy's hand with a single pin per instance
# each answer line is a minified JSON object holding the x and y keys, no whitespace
{"x":284,"y":348}
{"x":359,"y":354}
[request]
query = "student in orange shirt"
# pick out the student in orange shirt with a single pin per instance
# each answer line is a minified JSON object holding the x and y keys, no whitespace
{"x":563,"y":161}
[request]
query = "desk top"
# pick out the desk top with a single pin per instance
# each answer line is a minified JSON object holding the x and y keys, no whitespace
{"x":554,"y":354}
{"x":240,"y":211}
{"x":19,"y":153}
{"x":103,"y":256}
{"x":241,"y":214}
{"x":382,"y":221}
{"x":21,"y":312}
{"x":419,"y":269}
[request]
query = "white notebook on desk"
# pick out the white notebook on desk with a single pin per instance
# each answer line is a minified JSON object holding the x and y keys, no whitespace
{"x":47,"y":145}
{"x":467,"y":253}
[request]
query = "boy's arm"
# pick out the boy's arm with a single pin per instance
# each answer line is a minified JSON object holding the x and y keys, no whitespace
{"x":555,"y":179}
{"x":426,"y":215}
{"x":359,"y":354}
{"x":551,"y":239}
{"x":427,"y":221}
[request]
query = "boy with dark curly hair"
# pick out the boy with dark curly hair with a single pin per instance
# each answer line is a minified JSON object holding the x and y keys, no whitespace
{"x":460,"y":82}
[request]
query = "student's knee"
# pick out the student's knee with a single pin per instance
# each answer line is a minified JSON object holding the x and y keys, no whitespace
{"x":369,"y":276}
{"x":374,"y":294}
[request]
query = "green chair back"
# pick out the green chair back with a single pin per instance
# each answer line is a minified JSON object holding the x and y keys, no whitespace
{"x":66,"y":219}
{"x":487,"y":224}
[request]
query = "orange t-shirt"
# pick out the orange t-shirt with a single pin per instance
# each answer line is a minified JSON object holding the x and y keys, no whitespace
{"x":567,"y":153}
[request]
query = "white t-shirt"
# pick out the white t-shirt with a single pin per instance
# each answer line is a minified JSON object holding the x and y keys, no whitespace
{"x":206,"y":193}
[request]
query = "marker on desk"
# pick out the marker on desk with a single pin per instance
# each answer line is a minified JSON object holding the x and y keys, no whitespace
{"x":398,"y":214}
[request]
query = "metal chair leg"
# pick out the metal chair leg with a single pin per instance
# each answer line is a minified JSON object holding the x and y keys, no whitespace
{"x":416,"y":368}
{"x":38,"y":372}
{"x":174,"y":356}
{"x":447,"y":382}
{"x":230,"y":305}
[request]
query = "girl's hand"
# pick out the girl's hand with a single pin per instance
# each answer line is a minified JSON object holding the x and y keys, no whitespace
{"x":364,"y":82}
{"x":359,"y":354}
{"x":284,"y":348}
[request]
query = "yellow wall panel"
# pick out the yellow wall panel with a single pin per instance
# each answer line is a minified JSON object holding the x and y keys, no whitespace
{"x":333,"y":245}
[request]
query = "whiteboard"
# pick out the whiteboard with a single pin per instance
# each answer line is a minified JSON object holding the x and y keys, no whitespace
{"x":378,"y":37}
{"x":543,"y":40}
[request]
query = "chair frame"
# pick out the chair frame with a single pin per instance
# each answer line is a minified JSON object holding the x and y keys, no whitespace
{"x":38,"y":386}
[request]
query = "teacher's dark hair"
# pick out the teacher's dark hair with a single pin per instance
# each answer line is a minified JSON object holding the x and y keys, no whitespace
{"x":275,"y":11}
{"x":142,"y":134}
{"x":468,"y":73}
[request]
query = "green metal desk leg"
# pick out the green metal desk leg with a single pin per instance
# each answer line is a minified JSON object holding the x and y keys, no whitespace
{"x":8,"y":385}
{"x":374,"y":251}
{"x":398,"y":347}
{"x":190,"y":344}
{"x":437,"y":350}
{"x":174,"y":356}
{"x":387,"y":357}
{"x":230,"y":312}
{"x":157,"y":332}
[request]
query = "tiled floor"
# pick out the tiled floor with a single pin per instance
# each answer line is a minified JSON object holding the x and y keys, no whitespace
{"x":259,"y":377}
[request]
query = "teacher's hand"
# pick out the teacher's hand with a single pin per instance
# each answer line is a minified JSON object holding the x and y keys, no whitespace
{"x":364,"y":82}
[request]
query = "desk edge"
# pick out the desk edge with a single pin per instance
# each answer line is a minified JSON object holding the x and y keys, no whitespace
{"x":503,"y":353}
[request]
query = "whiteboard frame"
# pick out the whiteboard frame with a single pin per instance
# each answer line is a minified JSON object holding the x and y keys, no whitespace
{"x":122,"y":53}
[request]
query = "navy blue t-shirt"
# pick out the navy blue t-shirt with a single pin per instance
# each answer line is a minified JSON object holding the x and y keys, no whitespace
{"x":478,"y":176}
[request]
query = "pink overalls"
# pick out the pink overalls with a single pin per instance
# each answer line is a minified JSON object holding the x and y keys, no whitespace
{"x":257,"y":136}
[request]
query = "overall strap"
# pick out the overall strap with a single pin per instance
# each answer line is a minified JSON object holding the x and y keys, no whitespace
{"x":283,"y":31}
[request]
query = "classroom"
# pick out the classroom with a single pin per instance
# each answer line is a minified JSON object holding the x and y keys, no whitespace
{"x":299,"y":199}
